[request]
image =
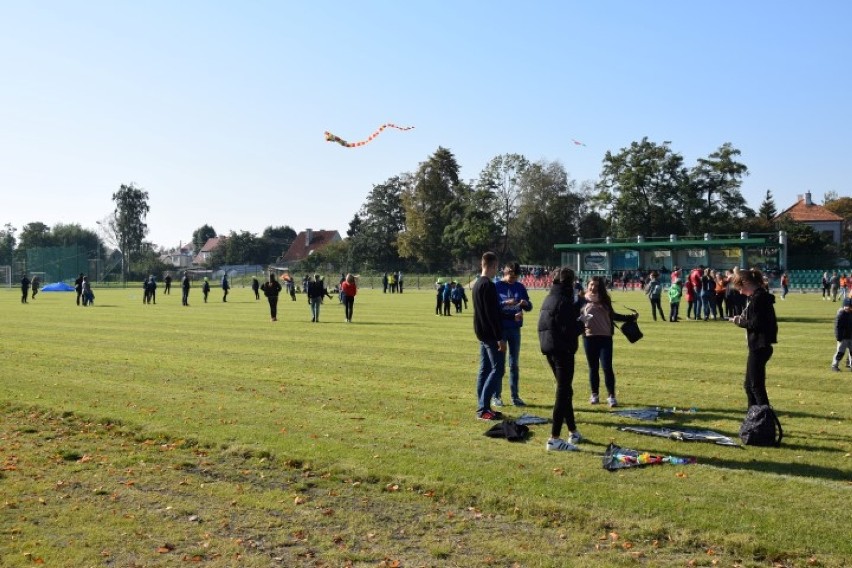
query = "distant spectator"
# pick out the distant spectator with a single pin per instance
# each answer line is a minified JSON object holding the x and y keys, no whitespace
{"x":25,"y":289}
{"x":271,"y":289}
{"x":349,"y":289}
{"x":205,"y":288}
{"x":184,"y":287}
{"x":225,"y":287}
{"x":255,"y":287}
{"x":36,"y":284}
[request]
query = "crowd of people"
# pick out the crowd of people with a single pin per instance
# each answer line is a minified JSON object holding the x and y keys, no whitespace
{"x":571,"y":311}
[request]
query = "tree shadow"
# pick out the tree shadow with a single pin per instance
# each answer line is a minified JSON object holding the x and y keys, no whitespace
{"x":793,"y":469}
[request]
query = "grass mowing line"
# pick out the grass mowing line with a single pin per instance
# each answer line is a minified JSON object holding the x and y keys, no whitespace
{"x":417,"y":412}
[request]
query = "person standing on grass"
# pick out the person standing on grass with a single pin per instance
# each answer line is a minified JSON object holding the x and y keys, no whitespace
{"x":825,"y":286}
{"x":708,"y":294}
{"x":184,"y":287}
{"x":36,"y":284}
{"x":205,"y":288}
{"x":558,"y":330}
{"x":146,"y":290}
{"x":348,"y":289}
{"x":834,"y":285}
{"x":691,"y":307}
{"x":25,"y":289}
{"x":399,"y":281}
{"x":758,"y":319}
{"x":447,"y":296}
{"x":785,"y":286}
{"x":599,"y":319}
{"x":271,"y":288}
{"x":487,"y":325}
{"x":654,"y":291}
{"x":514,"y":301}
{"x":152,"y":296}
{"x":291,"y":288}
{"x":457,"y":294}
{"x":88,"y":295}
{"x":255,"y":287}
{"x":316,"y":292}
{"x":675,"y":293}
{"x":167,"y":289}
{"x":439,"y":298}
{"x":843,"y":335}
{"x":225,"y":287}
{"x":78,"y":287}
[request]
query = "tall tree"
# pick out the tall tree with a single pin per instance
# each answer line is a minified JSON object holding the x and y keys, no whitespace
{"x":201,"y":235}
{"x":548,"y":212}
{"x":843,"y":206}
{"x":7,"y":244}
{"x":502,"y":177}
{"x":428,"y":203}
{"x":641,"y":188}
{"x":35,"y":235}
{"x":73,"y":234}
{"x":131,"y":209}
{"x":717,"y":180}
{"x":767,"y":209}
{"x":240,"y":248}
{"x":473,"y":225}
{"x":375,"y":229}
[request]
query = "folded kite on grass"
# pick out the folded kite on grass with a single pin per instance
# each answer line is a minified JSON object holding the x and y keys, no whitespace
{"x":681,"y":434}
{"x":652,"y":414}
{"x":617,"y":457}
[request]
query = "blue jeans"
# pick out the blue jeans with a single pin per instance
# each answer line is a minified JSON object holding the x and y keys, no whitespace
{"x":315,"y":308}
{"x":599,"y":354}
{"x":512,"y":335}
{"x":491,"y":369}
{"x":707,"y":299}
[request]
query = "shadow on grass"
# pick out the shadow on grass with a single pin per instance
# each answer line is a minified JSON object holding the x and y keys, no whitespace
{"x":794,"y":469}
{"x":808,"y":320}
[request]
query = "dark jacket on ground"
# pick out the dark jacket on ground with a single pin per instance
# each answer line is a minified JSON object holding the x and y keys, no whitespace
{"x":558,"y":327}
{"x":487,"y":323}
{"x":759,"y":321}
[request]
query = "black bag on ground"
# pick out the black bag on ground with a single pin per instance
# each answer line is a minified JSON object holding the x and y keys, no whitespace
{"x":761,"y":427}
{"x":509,"y":429}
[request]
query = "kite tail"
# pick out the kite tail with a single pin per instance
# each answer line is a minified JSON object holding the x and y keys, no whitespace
{"x":329,"y":137}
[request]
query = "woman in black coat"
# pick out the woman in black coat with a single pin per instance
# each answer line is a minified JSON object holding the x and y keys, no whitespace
{"x":758,"y":319}
{"x":558,"y":329}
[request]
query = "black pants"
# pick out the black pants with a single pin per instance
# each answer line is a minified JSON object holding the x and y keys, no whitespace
{"x":446,"y":307}
{"x":24,"y":293}
{"x":438,"y":305}
{"x":185,"y":298}
{"x":348,"y":304}
{"x":256,"y":294}
{"x":674,"y":308}
{"x":755,"y":377}
{"x":224,"y":294}
{"x":563,"y":409}
{"x":79,"y":293}
{"x":656,"y":305}
{"x":168,"y":288}
{"x":273,"y":306}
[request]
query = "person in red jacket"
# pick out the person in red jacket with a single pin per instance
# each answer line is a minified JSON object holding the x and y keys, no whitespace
{"x":349,"y":289}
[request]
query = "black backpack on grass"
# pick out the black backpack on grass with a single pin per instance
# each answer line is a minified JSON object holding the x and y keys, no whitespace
{"x":761,"y":427}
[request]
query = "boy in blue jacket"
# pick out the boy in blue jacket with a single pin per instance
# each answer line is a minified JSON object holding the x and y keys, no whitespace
{"x":514,"y":301}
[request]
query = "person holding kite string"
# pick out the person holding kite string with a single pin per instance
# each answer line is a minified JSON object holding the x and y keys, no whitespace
{"x":558,"y":330}
{"x":758,"y":319}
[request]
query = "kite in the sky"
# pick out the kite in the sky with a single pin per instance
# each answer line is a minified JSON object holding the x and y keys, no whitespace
{"x":329,"y":137}
{"x":616,"y":457}
{"x":577,"y":142}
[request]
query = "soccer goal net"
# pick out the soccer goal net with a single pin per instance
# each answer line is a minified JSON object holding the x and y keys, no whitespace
{"x":6,"y":276}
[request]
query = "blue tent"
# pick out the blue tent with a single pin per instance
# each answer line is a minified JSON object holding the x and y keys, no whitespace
{"x":58,"y":287}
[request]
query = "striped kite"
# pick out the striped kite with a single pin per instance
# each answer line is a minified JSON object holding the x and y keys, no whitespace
{"x":329,"y":137}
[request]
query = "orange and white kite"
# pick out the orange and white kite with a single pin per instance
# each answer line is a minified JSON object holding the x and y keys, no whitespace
{"x":329,"y":137}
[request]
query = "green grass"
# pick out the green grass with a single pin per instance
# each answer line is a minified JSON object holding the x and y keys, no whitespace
{"x":339,"y":444}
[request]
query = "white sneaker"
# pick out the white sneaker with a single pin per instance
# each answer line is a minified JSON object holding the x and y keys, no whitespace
{"x":594,"y":399}
{"x":560,"y":445}
{"x":610,"y":400}
{"x":575,"y":437}
{"x":496,"y":401}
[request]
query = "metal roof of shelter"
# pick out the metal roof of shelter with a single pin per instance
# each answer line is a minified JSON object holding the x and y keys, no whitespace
{"x":668,"y":244}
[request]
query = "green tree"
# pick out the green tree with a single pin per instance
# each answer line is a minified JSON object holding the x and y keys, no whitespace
{"x":548,"y":212}
{"x":35,"y":235}
{"x":643,"y":190}
{"x":73,"y":234}
{"x":428,"y":203}
{"x":201,"y":235}
{"x":131,"y":209}
{"x":473,"y":226}
{"x":7,"y":244}
{"x":843,"y":206}
{"x":277,"y":240}
{"x":767,"y":209}
{"x":502,"y":177}
{"x":240,"y":248}
{"x":374,"y":230}
{"x":717,"y":180}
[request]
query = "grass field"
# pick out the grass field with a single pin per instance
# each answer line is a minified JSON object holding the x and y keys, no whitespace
{"x":159,"y":435}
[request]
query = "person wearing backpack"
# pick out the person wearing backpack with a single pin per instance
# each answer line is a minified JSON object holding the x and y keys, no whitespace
{"x":558,"y":330}
{"x":654,"y":290}
{"x":758,"y":319}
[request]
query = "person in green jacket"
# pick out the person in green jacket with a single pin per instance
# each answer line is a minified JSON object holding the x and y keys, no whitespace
{"x":675,"y":294}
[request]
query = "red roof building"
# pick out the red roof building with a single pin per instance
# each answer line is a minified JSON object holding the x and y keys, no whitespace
{"x":308,"y":242}
{"x":822,"y":220}
{"x":207,"y":250}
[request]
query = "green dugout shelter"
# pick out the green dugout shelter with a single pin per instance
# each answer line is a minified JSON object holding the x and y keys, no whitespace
{"x":765,"y":251}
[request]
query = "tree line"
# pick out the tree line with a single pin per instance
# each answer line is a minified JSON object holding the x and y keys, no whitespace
{"x":431,"y":219}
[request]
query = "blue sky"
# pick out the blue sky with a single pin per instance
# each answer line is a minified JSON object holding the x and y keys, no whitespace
{"x":218,"y":109}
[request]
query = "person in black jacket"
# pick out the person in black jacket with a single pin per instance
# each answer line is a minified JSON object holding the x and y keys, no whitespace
{"x":271,"y":289}
{"x":758,"y":319}
{"x":255,"y":287}
{"x":25,"y":289}
{"x":843,"y":334}
{"x":487,"y":325}
{"x":78,"y":287}
{"x":184,"y":288}
{"x":558,"y":329}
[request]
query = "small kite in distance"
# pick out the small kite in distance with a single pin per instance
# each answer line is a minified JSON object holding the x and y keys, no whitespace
{"x":329,"y":137}
{"x":577,"y":142}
